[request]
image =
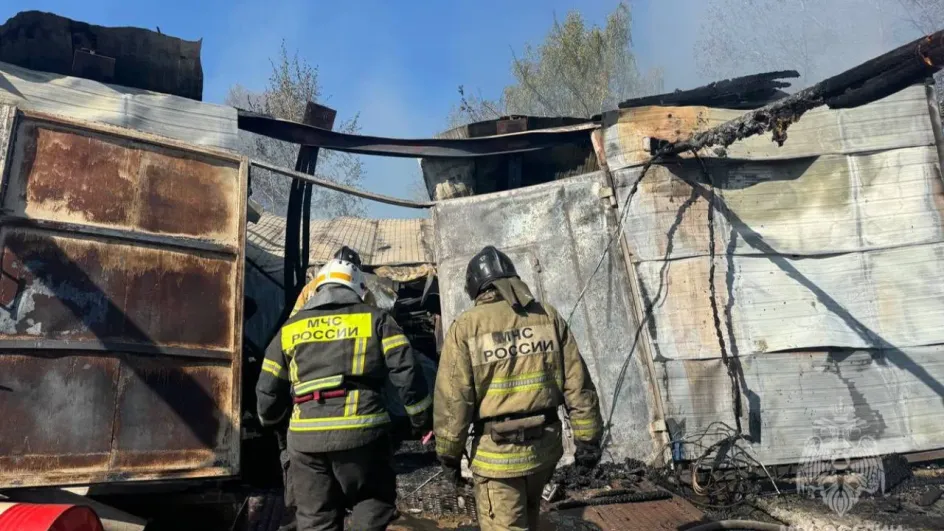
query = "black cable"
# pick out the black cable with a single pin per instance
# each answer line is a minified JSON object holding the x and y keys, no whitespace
{"x":752,"y":525}
{"x":616,"y":234}
{"x":715,"y":313}
{"x":633,"y":497}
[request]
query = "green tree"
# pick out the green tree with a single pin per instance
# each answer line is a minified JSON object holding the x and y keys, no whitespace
{"x":578,"y":70}
{"x":292,"y":84}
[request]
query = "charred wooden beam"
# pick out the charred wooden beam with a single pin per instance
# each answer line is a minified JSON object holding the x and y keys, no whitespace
{"x":868,"y":82}
{"x":747,"y":92}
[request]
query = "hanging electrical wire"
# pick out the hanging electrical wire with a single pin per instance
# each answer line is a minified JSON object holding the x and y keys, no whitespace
{"x":614,"y":235}
{"x":728,"y":362}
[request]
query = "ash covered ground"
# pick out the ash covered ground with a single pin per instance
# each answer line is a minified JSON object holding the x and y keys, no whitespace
{"x":421,"y":491}
{"x":912,"y":501}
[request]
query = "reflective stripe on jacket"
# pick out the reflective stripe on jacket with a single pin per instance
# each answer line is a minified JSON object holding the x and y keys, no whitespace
{"x":336,"y":342}
{"x":498,"y":362}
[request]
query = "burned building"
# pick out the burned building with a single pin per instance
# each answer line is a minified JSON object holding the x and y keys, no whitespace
{"x":761,"y":292}
{"x":756,"y":288}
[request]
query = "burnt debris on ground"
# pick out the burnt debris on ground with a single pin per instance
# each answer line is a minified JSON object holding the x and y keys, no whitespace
{"x":422,"y":489}
{"x":574,"y":478}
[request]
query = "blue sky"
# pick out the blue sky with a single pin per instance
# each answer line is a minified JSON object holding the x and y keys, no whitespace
{"x":398,"y":63}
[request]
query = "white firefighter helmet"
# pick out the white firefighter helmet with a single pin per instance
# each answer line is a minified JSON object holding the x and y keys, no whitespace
{"x":344,"y":273}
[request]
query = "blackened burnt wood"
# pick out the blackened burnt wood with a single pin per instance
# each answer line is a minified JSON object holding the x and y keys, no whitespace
{"x":868,"y":82}
{"x":747,"y":92}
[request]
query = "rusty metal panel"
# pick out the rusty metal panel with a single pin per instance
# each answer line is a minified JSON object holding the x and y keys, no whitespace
{"x":121,"y":290}
{"x":71,"y":290}
{"x":556,"y":234}
{"x":63,"y":173}
{"x":171,"y":417}
{"x":58,"y":414}
{"x":170,"y":411}
{"x":662,"y":515}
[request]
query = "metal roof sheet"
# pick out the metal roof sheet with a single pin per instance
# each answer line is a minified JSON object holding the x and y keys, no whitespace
{"x":265,"y":244}
{"x":380,"y":242}
{"x":202,"y":124}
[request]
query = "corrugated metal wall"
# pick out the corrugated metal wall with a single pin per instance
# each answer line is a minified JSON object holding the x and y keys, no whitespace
{"x":829,"y":256}
{"x":556,"y":233}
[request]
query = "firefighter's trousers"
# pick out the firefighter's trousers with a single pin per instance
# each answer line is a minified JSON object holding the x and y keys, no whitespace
{"x":325,"y":484}
{"x":510,"y":504}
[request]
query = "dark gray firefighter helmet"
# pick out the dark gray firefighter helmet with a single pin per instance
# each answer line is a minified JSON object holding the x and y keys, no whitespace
{"x":348,"y":255}
{"x":488,"y":265}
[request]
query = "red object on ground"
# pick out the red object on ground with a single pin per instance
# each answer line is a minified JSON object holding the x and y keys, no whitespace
{"x":49,"y":517}
{"x":427,"y":437}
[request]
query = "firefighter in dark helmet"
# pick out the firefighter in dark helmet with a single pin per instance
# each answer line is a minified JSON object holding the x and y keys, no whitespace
{"x":326,"y":369}
{"x":507,"y":364}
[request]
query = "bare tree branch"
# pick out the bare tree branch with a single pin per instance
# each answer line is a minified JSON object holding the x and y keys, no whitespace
{"x":292,"y":84}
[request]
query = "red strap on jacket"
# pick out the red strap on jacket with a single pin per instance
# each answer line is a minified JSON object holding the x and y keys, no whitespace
{"x":320,"y":395}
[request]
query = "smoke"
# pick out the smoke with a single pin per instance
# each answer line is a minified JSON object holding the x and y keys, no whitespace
{"x":816,"y":38}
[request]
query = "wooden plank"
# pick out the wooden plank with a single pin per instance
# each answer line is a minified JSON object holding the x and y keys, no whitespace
{"x":921,"y":457}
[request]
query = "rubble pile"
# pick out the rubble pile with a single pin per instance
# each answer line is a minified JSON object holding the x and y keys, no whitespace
{"x":575,"y":478}
{"x":421,"y":489}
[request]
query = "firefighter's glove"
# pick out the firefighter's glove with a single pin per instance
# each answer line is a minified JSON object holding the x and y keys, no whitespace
{"x":422,"y":423}
{"x":587,"y":455}
{"x":452,"y":470}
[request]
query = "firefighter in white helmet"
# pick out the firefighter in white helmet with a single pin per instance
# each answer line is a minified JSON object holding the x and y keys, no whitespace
{"x":327,"y":368}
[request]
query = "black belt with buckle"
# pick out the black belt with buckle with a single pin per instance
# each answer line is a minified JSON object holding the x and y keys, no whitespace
{"x":485,"y":425}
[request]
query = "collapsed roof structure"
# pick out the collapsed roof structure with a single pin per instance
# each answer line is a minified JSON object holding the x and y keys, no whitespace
{"x":722,"y":287}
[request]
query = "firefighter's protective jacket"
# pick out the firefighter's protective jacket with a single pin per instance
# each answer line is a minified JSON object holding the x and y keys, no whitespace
{"x":338,"y":342}
{"x":497,"y":362}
